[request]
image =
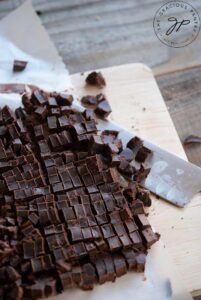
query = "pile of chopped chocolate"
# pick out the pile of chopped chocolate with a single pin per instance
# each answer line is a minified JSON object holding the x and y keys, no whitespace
{"x":67,"y":219}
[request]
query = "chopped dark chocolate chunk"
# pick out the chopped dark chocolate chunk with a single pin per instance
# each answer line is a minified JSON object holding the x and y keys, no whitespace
{"x":114,"y":243}
{"x":144,"y":195}
{"x":96,"y":233}
{"x":89,"y":101}
{"x":142,"y":154}
{"x":41,"y":112}
{"x":103,"y":109}
{"x":141,"y":174}
{"x":65,"y":208}
{"x":140,"y":262}
{"x":134,"y":143}
{"x":19,"y":65}
{"x":87,"y":234}
{"x":109,"y":267}
{"x":38,"y":98}
{"x":52,"y":123}
{"x":130,"y":257}
{"x":64,"y":99}
{"x":127,"y":154}
{"x":101,"y":219}
{"x":76,"y":234}
{"x":52,"y":102}
{"x":80,"y":249}
{"x":142,"y":221}
{"x":107,"y":231}
{"x":136,"y":239}
{"x":120,"y":265}
{"x":149,"y":236}
{"x":89,"y":276}
{"x":137,"y":207}
{"x":66,"y":280}
{"x":101,"y":270}
{"x":131,"y":225}
{"x":96,"y":79}
{"x":126,"y":213}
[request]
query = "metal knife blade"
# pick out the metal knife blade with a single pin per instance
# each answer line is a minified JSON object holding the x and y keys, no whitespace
{"x":171,"y":177}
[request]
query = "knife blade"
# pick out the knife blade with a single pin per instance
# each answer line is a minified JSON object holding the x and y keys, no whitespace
{"x":171,"y":178}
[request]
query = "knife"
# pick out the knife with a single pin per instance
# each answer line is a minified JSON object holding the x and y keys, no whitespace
{"x":171,"y":178}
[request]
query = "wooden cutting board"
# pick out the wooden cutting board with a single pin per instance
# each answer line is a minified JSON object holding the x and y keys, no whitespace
{"x":138,"y":106}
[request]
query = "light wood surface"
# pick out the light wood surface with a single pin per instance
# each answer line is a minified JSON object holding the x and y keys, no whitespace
{"x":138,"y":106}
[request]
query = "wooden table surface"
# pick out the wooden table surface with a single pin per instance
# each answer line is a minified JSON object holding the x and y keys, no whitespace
{"x":93,"y":34}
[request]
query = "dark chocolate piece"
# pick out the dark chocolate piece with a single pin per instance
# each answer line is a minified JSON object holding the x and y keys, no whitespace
{"x":66,"y":280}
{"x":76,"y":234}
{"x":142,"y":154}
{"x":140,"y":262}
{"x":52,"y":123}
{"x":120,"y":265}
{"x":107,"y":231}
{"x":96,"y":79}
{"x":103,"y":109}
{"x":134,"y":143}
{"x":19,"y":65}
{"x":52,"y":102}
{"x":41,"y":112}
{"x":149,"y":236}
{"x":89,"y":101}
{"x":64,"y":99}
{"x":137,"y":207}
{"x":110,"y":268}
{"x":127,"y":154}
{"x":145,"y":196}
{"x":114,"y":243}
{"x":130,"y":257}
{"x":89,"y":276}
{"x":136,"y":239}
{"x":101,"y":270}
{"x":142,"y":221}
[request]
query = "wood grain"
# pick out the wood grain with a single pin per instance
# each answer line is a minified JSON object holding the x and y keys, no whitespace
{"x":182,"y":92}
{"x":131,"y":88}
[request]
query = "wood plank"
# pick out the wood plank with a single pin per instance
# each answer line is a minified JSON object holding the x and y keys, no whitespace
{"x":182,"y":93}
{"x":91,"y":34}
{"x":130,"y":89}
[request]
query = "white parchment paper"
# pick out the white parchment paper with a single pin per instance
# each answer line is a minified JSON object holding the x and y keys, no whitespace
{"x":22,"y":37}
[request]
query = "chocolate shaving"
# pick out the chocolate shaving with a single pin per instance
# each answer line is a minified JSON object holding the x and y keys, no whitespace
{"x":192,"y":139}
